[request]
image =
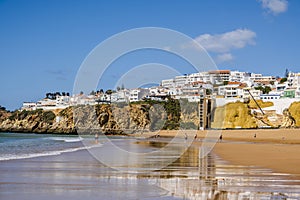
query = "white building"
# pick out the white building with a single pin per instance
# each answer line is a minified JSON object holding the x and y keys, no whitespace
{"x":260,"y":79}
{"x":62,"y":100}
{"x":237,"y":76}
{"x":219,"y":76}
{"x":29,"y":106}
{"x":293,"y":80}
{"x":199,"y":77}
{"x":255,"y":93}
{"x":46,"y":103}
{"x":83,"y":100}
{"x":180,"y":80}
{"x":280,"y":87}
{"x":168,"y":83}
{"x":138,"y":94}
{"x":120,"y":96}
{"x":297,"y":92}
{"x":269,"y":96}
{"x":174,"y":91}
{"x":229,"y":91}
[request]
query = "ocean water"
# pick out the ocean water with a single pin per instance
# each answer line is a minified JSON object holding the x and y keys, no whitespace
{"x":20,"y":146}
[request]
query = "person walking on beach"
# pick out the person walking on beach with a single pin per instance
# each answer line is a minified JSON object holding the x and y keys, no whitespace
{"x":185,"y":136}
{"x":221,"y":137}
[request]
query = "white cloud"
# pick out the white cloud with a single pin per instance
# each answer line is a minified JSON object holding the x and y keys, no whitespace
{"x":224,"y":57}
{"x":275,"y":6}
{"x":224,"y":43}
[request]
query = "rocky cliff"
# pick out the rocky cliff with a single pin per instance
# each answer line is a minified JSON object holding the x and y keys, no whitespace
{"x":233,"y":115}
{"x":109,"y":119}
{"x":247,"y":115}
{"x":143,"y":116}
{"x":38,"y":121}
{"x":294,"y":111}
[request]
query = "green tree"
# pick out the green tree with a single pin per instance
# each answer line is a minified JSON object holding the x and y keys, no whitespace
{"x":266,"y":90}
{"x":48,"y":117}
{"x":109,"y":91}
{"x":172,"y":107}
{"x":208,"y":91}
{"x":2,"y":108}
{"x":283,"y":80}
{"x":92,"y":92}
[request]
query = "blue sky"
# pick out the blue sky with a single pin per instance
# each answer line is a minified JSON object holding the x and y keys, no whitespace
{"x":43,"y":43}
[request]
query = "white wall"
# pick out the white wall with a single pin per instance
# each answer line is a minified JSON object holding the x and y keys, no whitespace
{"x":281,"y":104}
{"x":224,"y":101}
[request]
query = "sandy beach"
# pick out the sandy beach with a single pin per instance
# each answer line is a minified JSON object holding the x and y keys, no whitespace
{"x":276,"y":149}
{"x":234,"y":170}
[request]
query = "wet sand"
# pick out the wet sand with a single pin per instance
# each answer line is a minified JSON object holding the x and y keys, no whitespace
{"x":282,"y":158}
{"x":78,"y":175}
{"x":276,"y":149}
{"x":281,"y":136}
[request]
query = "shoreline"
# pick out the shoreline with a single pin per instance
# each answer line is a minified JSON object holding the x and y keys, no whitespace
{"x":281,"y":136}
{"x":275,"y":149}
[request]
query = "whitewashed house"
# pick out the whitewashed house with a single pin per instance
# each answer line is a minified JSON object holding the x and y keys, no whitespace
{"x":138,"y":94}
{"x":230,"y":90}
{"x":29,"y":106}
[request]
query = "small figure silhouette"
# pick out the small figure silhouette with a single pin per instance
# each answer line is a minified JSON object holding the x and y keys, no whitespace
{"x":96,"y":138}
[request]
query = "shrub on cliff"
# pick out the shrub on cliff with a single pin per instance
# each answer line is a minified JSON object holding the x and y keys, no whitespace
{"x":48,"y":117}
{"x":172,"y":107}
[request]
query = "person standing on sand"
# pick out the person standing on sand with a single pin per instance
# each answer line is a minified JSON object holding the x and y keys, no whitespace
{"x":221,"y":137}
{"x":96,"y":138}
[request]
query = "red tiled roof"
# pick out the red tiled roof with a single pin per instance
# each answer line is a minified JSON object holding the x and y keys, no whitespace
{"x":234,"y":83}
{"x":219,"y":72}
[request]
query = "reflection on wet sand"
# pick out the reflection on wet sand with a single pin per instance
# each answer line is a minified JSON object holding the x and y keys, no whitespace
{"x":78,"y":175}
{"x":212,"y":178}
